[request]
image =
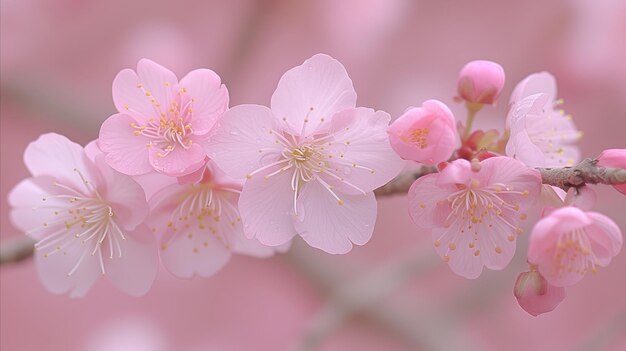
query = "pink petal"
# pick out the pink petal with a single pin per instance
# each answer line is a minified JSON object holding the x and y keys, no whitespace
{"x":456,"y":172}
{"x":243,"y":141}
{"x":333,"y":227}
{"x":454,"y":248}
{"x":362,"y":152}
{"x":201,"y":255}
{"x":136,"y":270}
{"x":92,"y":150}
{"x":179,"y":162}
{"x":125,"y":152}
{"x":584,"y":198}
{"x":154,"y":182}
{"x":266,"y":207}
{"x":53,"y":270}
{"x":552,"y":197}
{"x":542,"y":82}
{"x":56,"y":156}
{"x":535,"y":295}
{"x":209,"y":96}
{"x":313,"y":91}
{"x":515,"y":175}
{"x":29,"y":211}
{"x":158,"y":81}
{"x":606,"y":237}
{"x":124,"y":195}
{"x":130,"y":98}
{"x":427,"y":202}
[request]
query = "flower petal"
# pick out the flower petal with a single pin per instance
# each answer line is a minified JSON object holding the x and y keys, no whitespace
{"x":606,"y":237}
{"x":124,"y":195}
{"x":201,"y":254}
{"x":428,"y":206}
{"x":309,"y":94}
{"x":266,"y":207}
{"x":331,"y":226}
{"x":209,"y":98}
{"x":27,"y":202}
{"x":130,"y":98}
{"x":125,"y":152}
{"x":542,"y":82}
{"x":54,"y":270}
{"x":56,"y":156}
{"x":178,"y":162}
{"x":245,"y":140}
{"x":136,"y":270}
{"x":361,"y":153}
{"x":158,"y":83}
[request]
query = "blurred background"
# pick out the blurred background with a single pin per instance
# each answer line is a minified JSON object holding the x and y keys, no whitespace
{"x":59,"y":58}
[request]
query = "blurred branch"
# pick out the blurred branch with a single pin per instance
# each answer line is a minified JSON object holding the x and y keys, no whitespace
{"x":16,"y":249}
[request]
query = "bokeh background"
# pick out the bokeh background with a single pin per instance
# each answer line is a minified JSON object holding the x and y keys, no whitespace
{"x":58,"y":60}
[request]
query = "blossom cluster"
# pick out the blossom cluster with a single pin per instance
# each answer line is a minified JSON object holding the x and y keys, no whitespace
{"x":179,"y":178}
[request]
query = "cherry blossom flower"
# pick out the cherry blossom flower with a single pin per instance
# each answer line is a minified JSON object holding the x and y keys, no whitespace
{"x":472,"y":211}
{"x":535,"y":295}
{"x":540,"y":135}
{"x":480,"y":82}
{"x":614,"y":158}
{"x":87,"y":220}
{"x":311,"y":161}
{"x":199,"y":225}
{"x":162,"y":124}
{"x":424,"y":134}
{"x":569,"y":242}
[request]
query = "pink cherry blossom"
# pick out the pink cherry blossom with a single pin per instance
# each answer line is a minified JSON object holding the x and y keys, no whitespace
{"x":162,"y":124}
{"x":480,"y":82}
{"x":473,"y":210}
{"x":614,"y":158}
{"x":87,"y":220}
{"x":424,"y":134}
{"x":312,"y":160}
{"x":540,"y":135}
{"x":535,"y":295}
{"x":199,"y":225}
{"x":569,"y":242}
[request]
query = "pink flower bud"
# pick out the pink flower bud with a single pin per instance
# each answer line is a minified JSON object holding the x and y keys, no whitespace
{"x":614,"y":158}
{"x":424,"y":134}
{"x":535,"y":295}
{"x":481,"y":82}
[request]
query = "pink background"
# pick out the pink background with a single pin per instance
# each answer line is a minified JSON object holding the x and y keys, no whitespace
{"x":58,"y":59}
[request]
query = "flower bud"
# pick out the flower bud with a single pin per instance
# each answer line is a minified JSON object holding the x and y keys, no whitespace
{"x":424,"y":134}
{"x":614,"y":158}
{"x":535,"y":295}
{"x":480,"y":82}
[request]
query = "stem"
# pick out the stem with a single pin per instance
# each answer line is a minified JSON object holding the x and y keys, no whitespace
{"x":472,"y":109}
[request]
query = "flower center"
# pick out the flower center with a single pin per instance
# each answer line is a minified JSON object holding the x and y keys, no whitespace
{"x":204,"y":208}
{"x":476,"y":209}
{"x":419,"y":137}
{"x":171,"y":130}
{"x":574,"y":254}
{"x":80,"y":222}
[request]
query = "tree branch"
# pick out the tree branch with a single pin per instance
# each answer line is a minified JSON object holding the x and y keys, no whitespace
{"x":586,"y":172}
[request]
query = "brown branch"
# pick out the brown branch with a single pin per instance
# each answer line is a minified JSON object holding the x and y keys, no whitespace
{"x":16,"y":249}
{"x":586,"y":172}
